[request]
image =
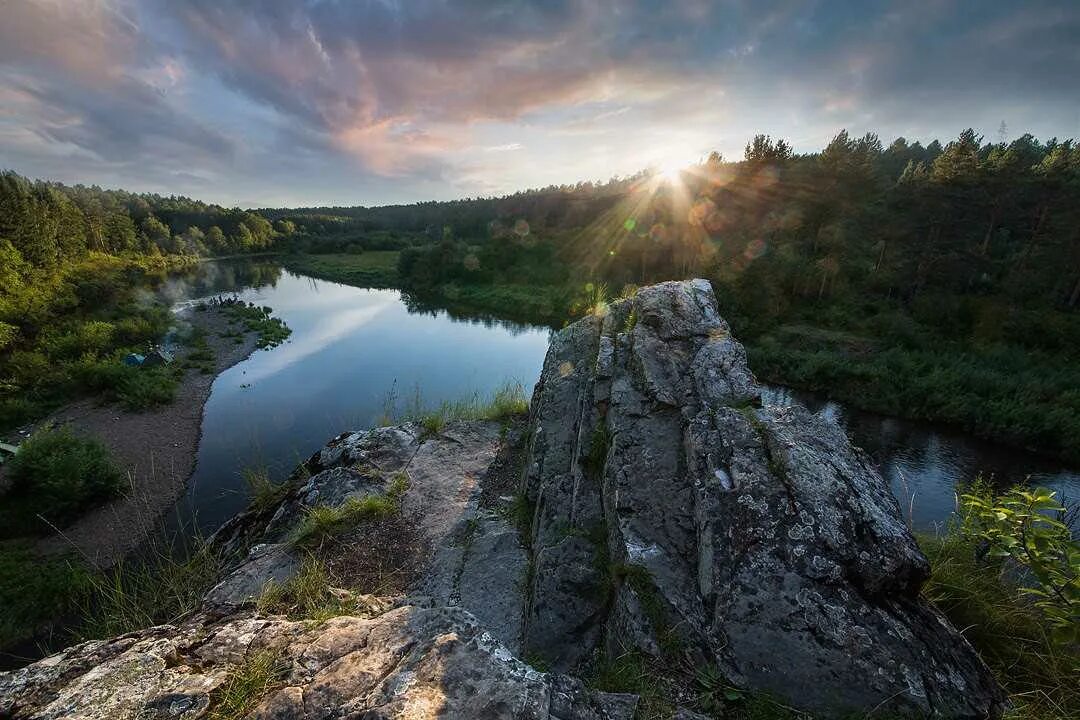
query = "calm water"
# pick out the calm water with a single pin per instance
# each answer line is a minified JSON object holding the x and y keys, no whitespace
{"x":355,"y":353}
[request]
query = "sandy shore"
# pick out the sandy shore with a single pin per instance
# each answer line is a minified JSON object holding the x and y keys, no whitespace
{"x":157,"y":448}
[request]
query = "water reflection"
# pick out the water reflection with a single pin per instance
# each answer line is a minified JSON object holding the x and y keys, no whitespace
{"x":924,"y":464}
{"x":350,"y":349}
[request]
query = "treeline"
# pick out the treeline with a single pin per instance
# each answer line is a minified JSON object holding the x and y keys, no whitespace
{"x":937,"y":281}
{"x":71,"y":261}
{"x":50,"y":223}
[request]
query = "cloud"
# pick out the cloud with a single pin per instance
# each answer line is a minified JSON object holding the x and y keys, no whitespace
{"x":378,"y":101}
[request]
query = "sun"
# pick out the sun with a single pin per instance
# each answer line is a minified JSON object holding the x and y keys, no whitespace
{"x":671,"y":171}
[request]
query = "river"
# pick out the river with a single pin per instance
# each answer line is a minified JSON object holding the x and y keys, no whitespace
{"x":357,"y":355}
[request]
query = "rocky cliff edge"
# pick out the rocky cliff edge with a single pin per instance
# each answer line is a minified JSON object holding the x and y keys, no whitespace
{"x":650,"y":508}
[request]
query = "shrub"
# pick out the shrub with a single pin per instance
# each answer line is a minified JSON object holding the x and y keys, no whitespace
{"x":35,"y":591}
{"x":1024,"y":526}
{"x":59,"y":475}
{"x":145,"y":388}
{"x":982,"y":591}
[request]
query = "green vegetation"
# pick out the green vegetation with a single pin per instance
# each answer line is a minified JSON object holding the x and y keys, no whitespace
{"x":1025,"y":527}
{"x":996,"y":558}
{"x":77,"y":267}
{"x":246,"y":684}
{"x":507,"y":402}
{"x":305,"y":596}
{"x":370,"y":268}
{"x":321,"y":522}
{"x":263,"y":492}
{"x":271,"y":330}
{"x":36,"y":591}
{"x":157,"y":586}
{"x":61,"y":599}
{"x":55,"y":476}
{"x":936,"y":282}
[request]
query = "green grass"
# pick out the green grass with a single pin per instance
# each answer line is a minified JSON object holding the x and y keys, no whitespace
{"x":65,"y":599}
{"x":263,"y":492}
{"x":1005,"y":627}
{"x":305,"y":596}
{"x":371,"y":268}
{"x":505,"y":403}
{"x":321,"y":522}
{"x":159,"y":586}
{"x":56,"y":475}
{"x":246,"y":684}
{"x":35,"y":591}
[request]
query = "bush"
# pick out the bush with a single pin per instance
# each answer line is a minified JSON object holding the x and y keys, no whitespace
{"x":982,"y":583}
{"x":58,"y":475}
{"x":146,"y":388}
{"x":35,"y":591}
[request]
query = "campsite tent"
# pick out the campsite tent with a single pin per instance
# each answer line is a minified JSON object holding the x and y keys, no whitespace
{"x":157,"y":358}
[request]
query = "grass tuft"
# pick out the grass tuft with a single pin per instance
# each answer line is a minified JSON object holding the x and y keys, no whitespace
{"x":263,"y":492}
{"x":247,"y":684}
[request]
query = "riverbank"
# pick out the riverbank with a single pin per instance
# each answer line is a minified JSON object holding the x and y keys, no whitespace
{"x":372,"y":268}
{"x":1022,"y":398}
{"x":156,"y":448}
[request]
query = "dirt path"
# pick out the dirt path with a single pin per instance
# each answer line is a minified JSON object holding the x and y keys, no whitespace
{"x":158,"y":449}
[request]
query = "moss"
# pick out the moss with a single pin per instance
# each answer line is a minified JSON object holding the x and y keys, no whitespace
{"x":652,"y":604}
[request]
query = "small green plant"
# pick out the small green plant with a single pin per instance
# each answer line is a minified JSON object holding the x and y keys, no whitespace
{"x":57,"y":475}
{"x":1024,"y":525}
{"x":246,"y":684}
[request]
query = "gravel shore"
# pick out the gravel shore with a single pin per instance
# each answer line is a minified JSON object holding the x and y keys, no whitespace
{"x":157,"y":448}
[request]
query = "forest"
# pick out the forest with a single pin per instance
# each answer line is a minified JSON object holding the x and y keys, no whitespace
{"x":936,"y":281}
{"x":72,"y":263}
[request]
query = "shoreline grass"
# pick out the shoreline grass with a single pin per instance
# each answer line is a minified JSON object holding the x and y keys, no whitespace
{"x":371,"y":268}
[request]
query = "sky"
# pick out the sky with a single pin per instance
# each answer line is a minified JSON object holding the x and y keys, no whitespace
{"x":262,"y":103}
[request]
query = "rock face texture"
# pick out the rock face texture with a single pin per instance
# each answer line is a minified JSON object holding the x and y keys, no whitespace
{"x":409,"y":662}
{"x":660,"y":510}
{"x":673,"y":515}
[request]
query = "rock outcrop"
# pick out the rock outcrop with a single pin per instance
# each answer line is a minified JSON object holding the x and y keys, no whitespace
{"x":652,"y":507}
{"x":675,"y":516}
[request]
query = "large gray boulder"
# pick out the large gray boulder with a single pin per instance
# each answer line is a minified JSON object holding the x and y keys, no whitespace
{"x":675,"y":516}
